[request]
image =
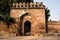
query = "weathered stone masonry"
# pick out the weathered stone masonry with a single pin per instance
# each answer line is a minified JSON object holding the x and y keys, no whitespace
{"x":35,"y":15}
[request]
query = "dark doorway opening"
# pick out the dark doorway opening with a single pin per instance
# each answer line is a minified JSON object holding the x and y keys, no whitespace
{"x":27,"y":28}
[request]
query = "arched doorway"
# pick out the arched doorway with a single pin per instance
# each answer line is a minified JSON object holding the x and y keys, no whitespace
{"x":27,"y":28}
{"x":20,"y":28}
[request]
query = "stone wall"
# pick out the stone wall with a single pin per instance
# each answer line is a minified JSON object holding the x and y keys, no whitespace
{"x":6,"y":32}
{"x":54,"y":26}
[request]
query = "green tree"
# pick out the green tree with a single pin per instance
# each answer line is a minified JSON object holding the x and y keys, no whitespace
{"x":24,"y":0}
{"x":47,"y":15}
{"x":4,"y":13}
{"x":7,"y":19}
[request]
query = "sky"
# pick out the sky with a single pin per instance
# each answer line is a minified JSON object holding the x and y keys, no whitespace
{"x":53,"y":6}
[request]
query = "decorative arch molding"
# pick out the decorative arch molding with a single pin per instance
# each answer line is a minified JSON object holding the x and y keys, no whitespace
{"x":19,"y":30}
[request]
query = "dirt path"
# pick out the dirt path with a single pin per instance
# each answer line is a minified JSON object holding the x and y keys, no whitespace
{"x":31,"y":38}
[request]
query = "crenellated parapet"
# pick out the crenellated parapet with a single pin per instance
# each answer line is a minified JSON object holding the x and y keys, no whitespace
{"x":28,"y":5}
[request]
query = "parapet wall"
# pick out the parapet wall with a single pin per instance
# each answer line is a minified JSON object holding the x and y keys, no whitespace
{"x":28,"y":5}
{"x":54,"y":26}
{"x":54,"y":22}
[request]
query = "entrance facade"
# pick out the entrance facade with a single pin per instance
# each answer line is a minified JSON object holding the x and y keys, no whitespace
{"x":29,"y":19}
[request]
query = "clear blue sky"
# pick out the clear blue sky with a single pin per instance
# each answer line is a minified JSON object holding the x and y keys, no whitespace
{"x":54,"y":6}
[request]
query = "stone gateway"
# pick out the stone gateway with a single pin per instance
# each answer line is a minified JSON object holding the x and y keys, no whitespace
{"x":30,"y":18}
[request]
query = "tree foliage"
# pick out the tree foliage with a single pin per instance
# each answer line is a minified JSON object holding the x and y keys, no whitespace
{"x":47,"y":12}
{"x":24,"y":0}
{"x":4,"y":12}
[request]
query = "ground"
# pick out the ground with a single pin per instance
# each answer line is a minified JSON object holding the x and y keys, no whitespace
{"x":31,"y":38}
